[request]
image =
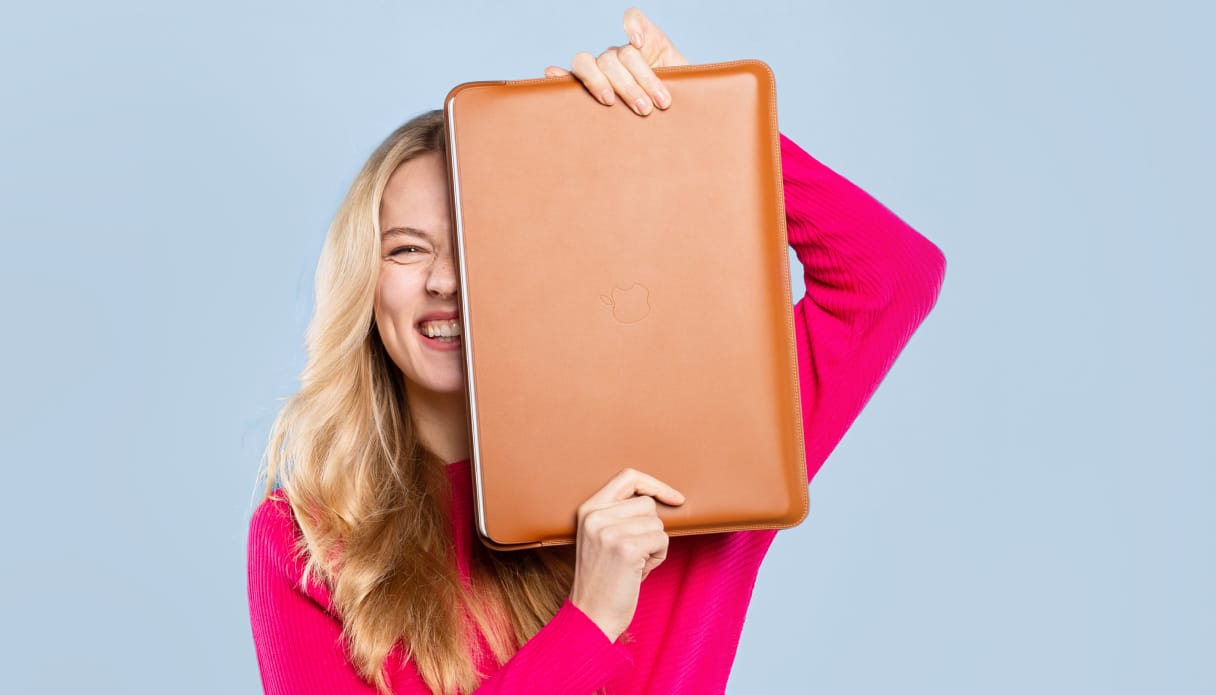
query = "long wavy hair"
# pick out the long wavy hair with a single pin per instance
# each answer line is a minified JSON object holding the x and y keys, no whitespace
{"x":370,"y":500}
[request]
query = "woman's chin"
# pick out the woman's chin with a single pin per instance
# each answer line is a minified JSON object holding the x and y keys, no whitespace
{"x":443,"y":383}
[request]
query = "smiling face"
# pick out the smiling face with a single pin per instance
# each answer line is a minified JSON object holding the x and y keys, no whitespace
{"x":417,"y":289}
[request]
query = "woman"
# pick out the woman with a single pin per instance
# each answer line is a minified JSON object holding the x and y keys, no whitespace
{"x":365,"y":573}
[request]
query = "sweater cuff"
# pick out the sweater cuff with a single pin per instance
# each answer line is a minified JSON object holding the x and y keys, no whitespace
{"x":592,"y":657}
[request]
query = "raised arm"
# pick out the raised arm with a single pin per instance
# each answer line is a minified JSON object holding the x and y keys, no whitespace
{"x":870,"y":281}
{"x":870,"y":278}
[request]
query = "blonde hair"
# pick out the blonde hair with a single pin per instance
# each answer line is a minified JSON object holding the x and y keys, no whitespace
{"x":371,"y":502}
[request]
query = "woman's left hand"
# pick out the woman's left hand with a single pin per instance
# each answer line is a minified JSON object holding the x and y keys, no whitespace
{"x":628,"y":69}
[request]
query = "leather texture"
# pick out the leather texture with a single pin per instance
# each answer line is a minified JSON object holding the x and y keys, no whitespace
{"x":625,"y":300}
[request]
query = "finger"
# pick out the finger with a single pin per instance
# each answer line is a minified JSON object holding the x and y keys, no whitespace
{"x":645,"y":531}
{"x":645,"y":35}
{"x":642,"y":537}
{"x":635,"y":26}
{"x":630,"y":482}
{"x":638,"y":506}
{"x":657,"y":557}
{"x":602,"y":528}
{"x":623,"y":82}
{"x":585,"y":68}
{"x":596,"y":515}
{"x":633,"y":61}
{"x":554,"y":71}
{"x":653,"y":561}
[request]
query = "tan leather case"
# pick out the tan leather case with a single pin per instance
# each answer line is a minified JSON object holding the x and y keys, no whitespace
{"x":625,"y":301}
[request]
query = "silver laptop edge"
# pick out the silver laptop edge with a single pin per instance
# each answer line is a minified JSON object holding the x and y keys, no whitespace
{"x":464,"y":320}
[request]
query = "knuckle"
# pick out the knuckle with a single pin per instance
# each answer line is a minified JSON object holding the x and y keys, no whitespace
{"x":582,"y":60}
{"x":592,"y":523}
{"x":610,"y":536}
{"x":628,"y":548}
{"x":628,"y":52}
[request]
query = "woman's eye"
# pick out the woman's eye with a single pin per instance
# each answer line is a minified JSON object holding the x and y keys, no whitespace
{"x":402,"y":249}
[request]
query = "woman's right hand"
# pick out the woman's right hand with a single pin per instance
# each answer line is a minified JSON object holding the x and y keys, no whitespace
{"x":620,"y":539}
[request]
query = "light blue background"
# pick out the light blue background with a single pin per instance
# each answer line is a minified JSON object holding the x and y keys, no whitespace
{"x":1025,"y":506}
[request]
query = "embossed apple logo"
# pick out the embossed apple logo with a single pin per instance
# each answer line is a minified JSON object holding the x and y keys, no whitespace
{"x":629,"y":305}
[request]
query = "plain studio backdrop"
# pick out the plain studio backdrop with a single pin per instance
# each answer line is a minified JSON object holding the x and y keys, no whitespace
{"x":1026,"y":505}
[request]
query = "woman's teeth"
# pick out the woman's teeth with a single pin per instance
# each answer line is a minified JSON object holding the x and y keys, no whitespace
{"x":440,"y":329}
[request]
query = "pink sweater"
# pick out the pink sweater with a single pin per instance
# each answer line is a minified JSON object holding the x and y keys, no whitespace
{"x":870,"y":278}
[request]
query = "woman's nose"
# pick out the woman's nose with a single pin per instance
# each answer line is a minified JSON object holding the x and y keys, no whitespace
{"x":442,"y":281}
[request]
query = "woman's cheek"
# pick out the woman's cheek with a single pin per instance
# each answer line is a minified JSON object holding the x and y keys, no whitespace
{"x":397,"y":299}
{"x":388,"y":291}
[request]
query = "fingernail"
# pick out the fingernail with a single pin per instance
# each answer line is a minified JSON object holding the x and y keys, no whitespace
{"x":662,"y":98}
{"x":606,"y":97}
{"x":643,"y":105}
{"x":637,"y":39}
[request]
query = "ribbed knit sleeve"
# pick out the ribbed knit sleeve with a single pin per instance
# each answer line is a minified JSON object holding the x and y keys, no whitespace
{"x":300,"y":650}
{"x":569,"y":655}
{"x":298,"y":642}
{"x":870,"y":281}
